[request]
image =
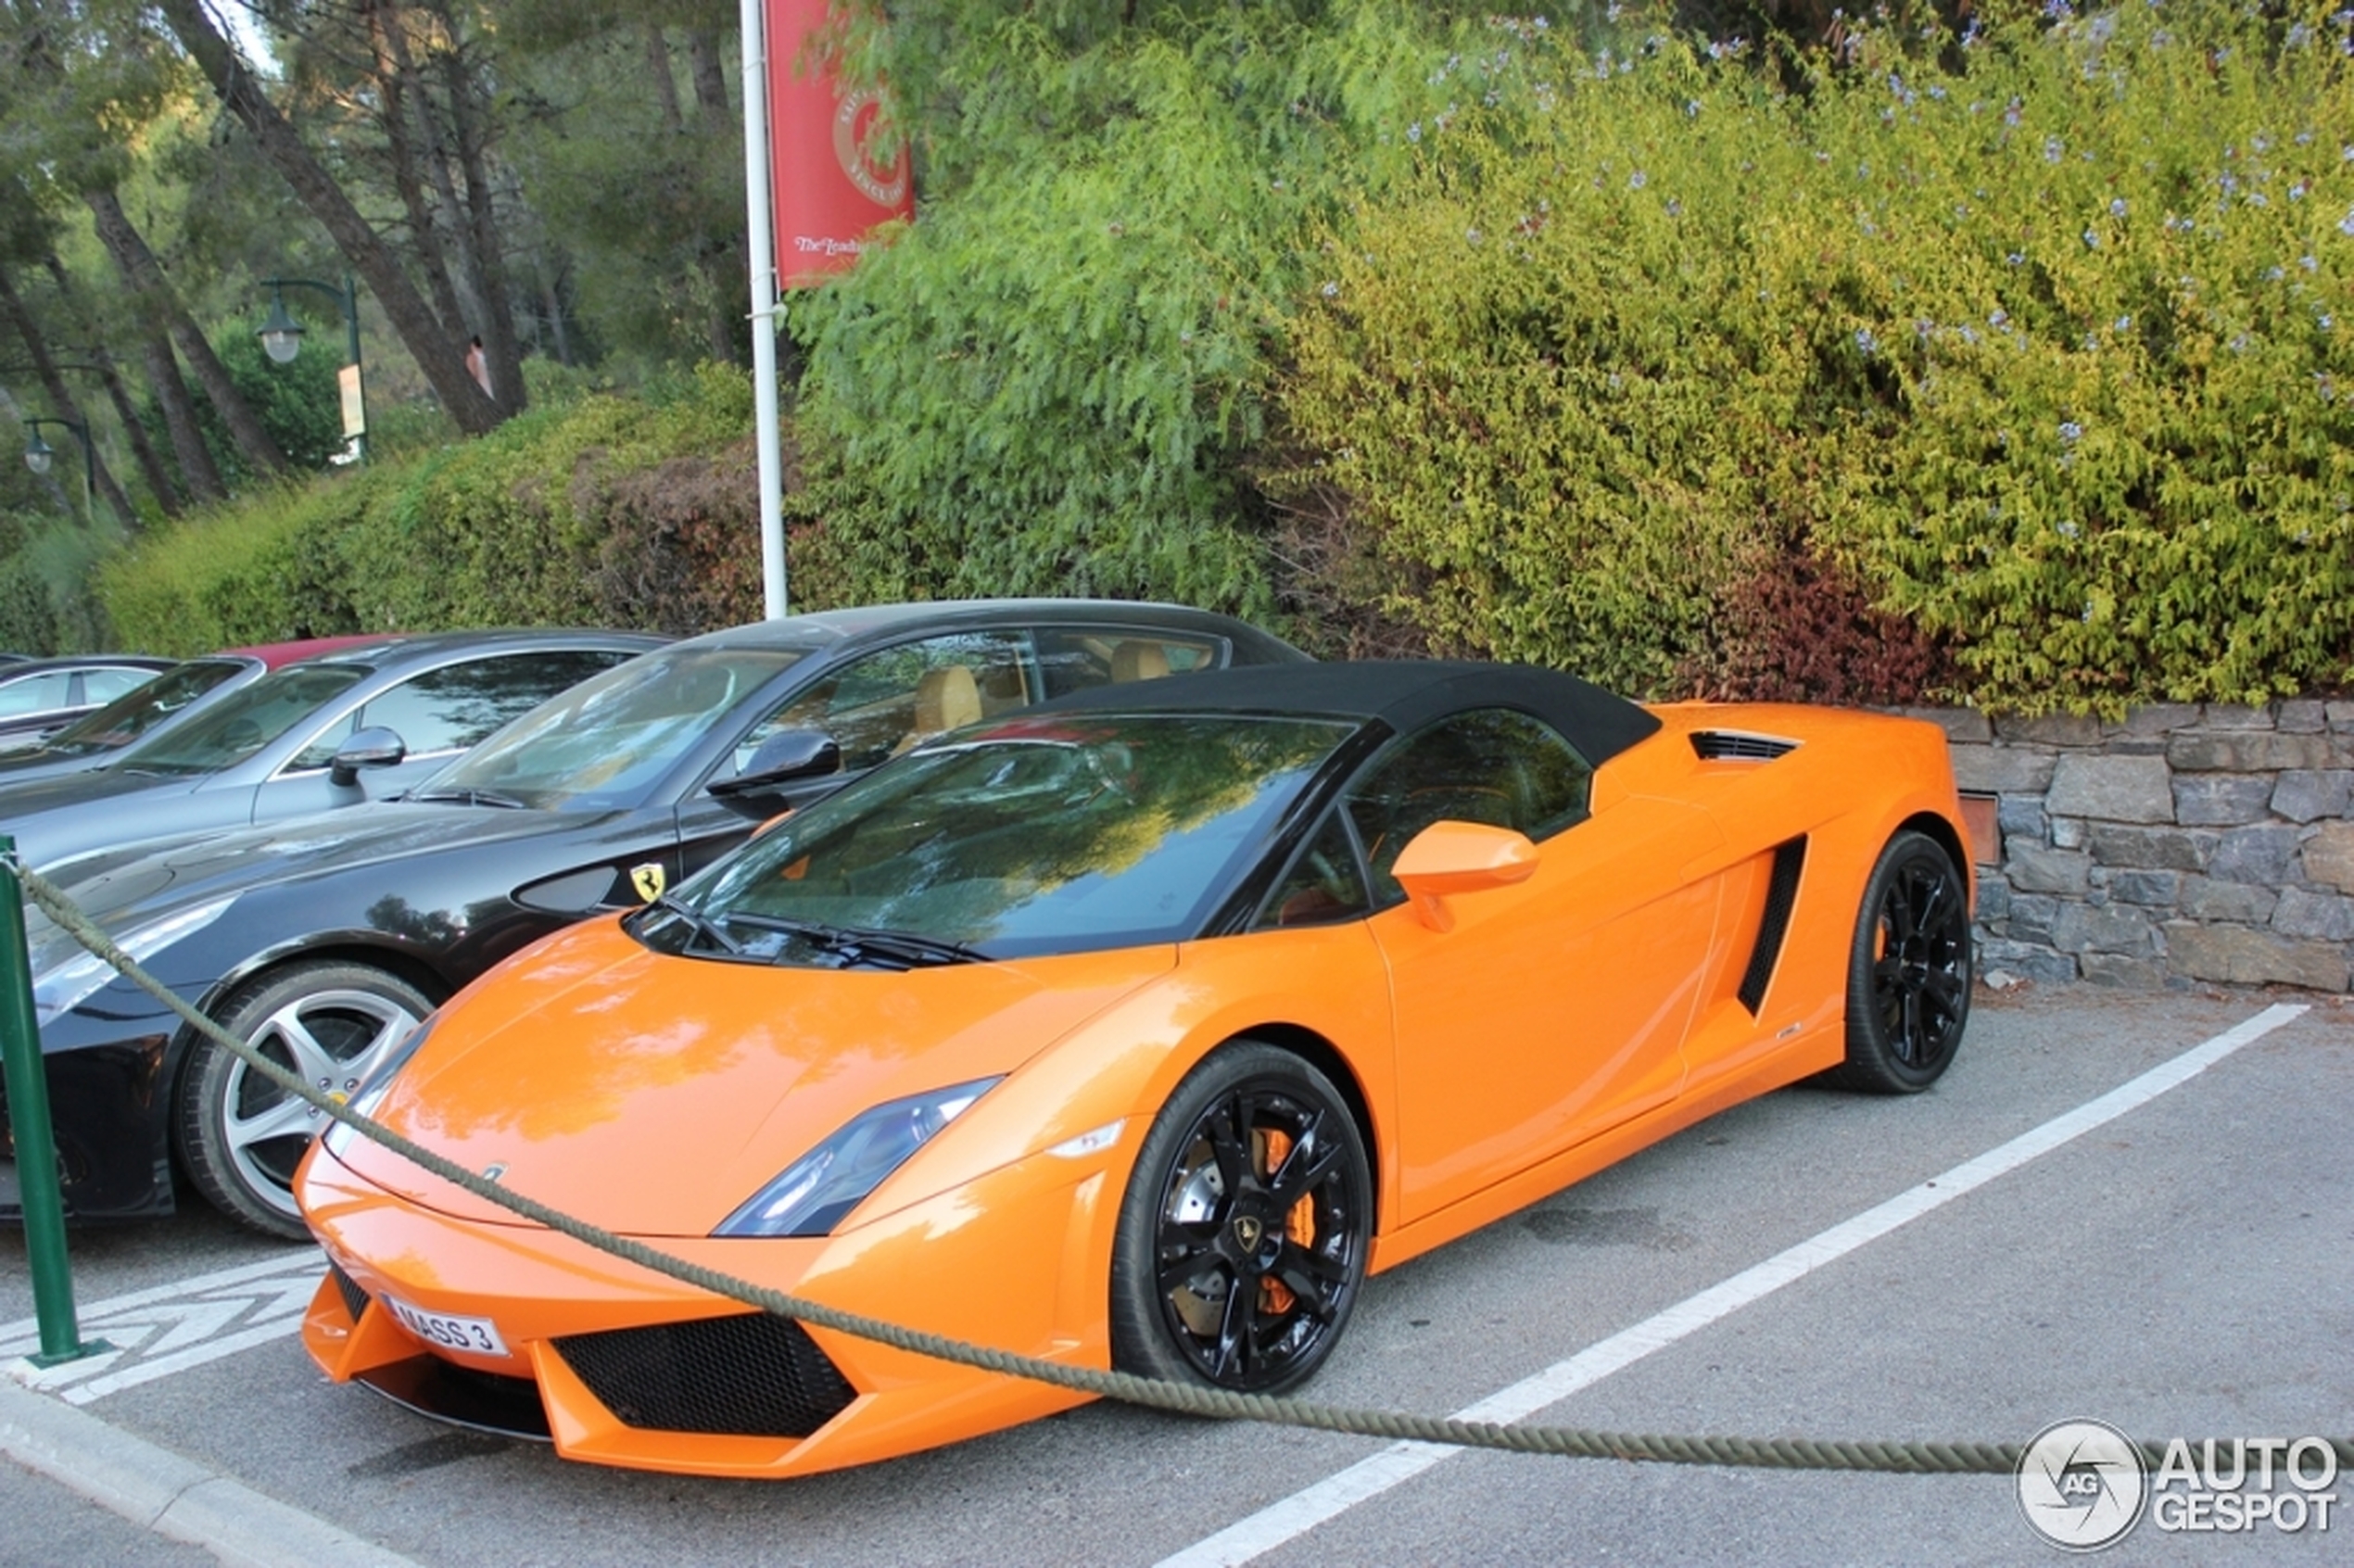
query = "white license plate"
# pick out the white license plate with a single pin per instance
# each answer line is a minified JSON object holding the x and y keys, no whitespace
{"x":477,"y":1335}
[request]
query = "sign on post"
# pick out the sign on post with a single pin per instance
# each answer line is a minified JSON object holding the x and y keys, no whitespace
{"x":355,"y":406}
{"x":834,"y":181}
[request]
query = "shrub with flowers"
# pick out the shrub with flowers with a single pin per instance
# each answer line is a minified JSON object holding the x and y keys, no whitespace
{"x":2041,"y":333}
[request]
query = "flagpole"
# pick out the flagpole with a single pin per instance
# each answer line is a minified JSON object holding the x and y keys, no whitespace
{"x":765,"y":308}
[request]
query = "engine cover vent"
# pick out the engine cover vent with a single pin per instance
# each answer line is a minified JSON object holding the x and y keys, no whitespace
{"x":1730,"y":745}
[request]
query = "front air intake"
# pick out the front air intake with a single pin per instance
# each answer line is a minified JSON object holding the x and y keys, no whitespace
{"x":751,"y":1375}
{"x":355,"y":1298}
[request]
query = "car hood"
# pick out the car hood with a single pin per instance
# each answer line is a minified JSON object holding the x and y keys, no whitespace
{"x":130,"y":887}
{"x":28,"y":806}
{"x":653,"y":1096}
{"x":40,"y":762}
{"x":62,"y":818}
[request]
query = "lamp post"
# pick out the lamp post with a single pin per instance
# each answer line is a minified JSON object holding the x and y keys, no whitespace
{"x":39,"y":454}
{"x":281,"y":337}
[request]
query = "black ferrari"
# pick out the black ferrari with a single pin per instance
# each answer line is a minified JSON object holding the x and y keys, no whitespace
{"x":324,"y":940}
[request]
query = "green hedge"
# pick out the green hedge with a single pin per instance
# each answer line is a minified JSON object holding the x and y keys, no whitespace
{"x":1055,"y":380}
{"x":2011,"y":366}
{"x":626,"y":512}
{"x":2046,"y":347}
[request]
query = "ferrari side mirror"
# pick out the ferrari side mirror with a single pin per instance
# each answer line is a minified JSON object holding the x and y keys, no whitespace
{"x":789,"y":757}
{"x":1447,"y":859}
{"x":372,"y":747}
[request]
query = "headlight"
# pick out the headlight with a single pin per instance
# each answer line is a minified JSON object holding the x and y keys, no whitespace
{"x":818,"y":1189}
{"x":80,"y":977}
{"x":373,"y":1089}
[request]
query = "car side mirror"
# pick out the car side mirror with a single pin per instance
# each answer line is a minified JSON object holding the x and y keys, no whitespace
{"x":372,"y":747}
{"x":1448,"y":859}
{"x":787,"y":757}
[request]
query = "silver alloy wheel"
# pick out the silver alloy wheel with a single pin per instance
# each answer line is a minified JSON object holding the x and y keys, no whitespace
{"x":239,"y":1136}
{"x":333,"y":1039}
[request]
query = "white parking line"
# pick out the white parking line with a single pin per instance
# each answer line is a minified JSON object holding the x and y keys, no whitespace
{"x":1303,"y":1511}
{"x":170,"y":1328}
{"x":309,"y":1257}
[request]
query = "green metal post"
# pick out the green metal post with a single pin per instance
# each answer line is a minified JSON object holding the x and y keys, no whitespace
{"x":28,"y":1087}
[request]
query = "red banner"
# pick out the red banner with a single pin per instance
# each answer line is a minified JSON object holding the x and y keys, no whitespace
{"x":832,"y":184}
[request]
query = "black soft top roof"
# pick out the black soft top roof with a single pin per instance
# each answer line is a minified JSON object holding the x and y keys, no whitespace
{"x":1406,"y":693}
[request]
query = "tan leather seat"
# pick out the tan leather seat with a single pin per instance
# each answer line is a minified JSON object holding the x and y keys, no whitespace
{"x":948,"y":698}
{"x":1134,"y":659}
{"x":1002,"y":690}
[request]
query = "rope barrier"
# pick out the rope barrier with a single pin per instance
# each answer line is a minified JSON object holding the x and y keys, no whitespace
{"x":1767,"y":1453}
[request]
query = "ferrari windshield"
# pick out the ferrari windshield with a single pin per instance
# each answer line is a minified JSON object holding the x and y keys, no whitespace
{"x":608,"y":740}
{"x":141,"y":709}
{"x":1037,"y":835}
{"x":243,"y":722}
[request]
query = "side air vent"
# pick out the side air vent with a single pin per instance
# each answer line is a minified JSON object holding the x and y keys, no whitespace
{"x":1727,"y":745}
{"x":1781,"y":895}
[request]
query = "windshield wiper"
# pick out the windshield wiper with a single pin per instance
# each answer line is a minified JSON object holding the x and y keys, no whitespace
{"x":909,"y":945}
{"x":471,"y":797}
{"x":701,"y":924}
{"x":854,"y":945}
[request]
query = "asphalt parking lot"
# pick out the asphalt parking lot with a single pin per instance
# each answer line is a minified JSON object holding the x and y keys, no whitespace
{"x":2183,"y":1266}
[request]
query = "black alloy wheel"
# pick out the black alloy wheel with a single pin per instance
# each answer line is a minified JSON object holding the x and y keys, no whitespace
{"x":1243,"y":1234}
{"x":1908,"y":986}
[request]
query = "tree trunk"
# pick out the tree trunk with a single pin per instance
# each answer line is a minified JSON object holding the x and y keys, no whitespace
{"x":723,"y":256}
{"x":468,"y":116}
{"x":392,"y":71}
{"x":180,"y":419}
{"x":551,"y":302}
{"x":453,"y":220}
{"x":45,"y":366}
{"x":706,"y":251}
{"x":145,"y":276}
{"x":438,"y":355}
{"x":151,"y":464}
{"x":658,"y":66}
{"x":710,"y":78}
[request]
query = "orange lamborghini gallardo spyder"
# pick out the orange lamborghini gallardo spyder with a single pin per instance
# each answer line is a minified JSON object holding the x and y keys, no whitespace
{"x":1136,"y":1029}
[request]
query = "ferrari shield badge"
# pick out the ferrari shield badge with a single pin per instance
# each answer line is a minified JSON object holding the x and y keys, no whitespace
{"x":648,"y":880}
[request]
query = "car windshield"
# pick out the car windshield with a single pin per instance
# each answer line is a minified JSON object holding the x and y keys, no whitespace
{"x":608,"y":740}
{"x":139,"y":710}
{"x":1037,"y":835}
{"x":243,"y":722}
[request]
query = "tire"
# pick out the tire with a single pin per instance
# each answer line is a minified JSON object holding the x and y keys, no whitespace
{"x":1908,"y":977}
{"x":1211,"y":1281}
{"x":239,"y":1135}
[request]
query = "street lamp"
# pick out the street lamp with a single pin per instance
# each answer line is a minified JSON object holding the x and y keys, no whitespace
{"x":39,"y":454}
{"x":281,"y":337}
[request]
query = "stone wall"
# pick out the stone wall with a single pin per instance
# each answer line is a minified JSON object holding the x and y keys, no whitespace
{"x":2188,"y":843}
